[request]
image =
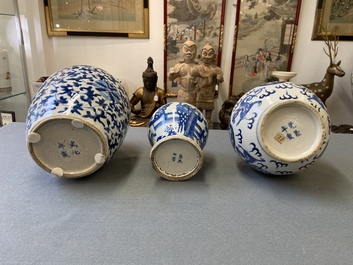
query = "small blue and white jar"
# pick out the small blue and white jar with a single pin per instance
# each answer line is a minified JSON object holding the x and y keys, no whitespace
{"x":77,"y":121}
{"x":279,"y":128}
{"x":177,"y":133}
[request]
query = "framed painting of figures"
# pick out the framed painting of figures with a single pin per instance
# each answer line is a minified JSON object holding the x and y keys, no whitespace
{"x":333,"y":17}
{"x":264,"y":40}
{"x":200,"y":21}
{"x":113,"y":18}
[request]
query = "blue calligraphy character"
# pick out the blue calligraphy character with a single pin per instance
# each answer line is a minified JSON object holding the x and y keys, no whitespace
{"x":174,"y":157}
{"x":65,"y":154}
{"x":290,"y":136}
{"x":291,"y":125}
{"x":180,"y":160}
{"x":73,"y":144}
{"x":297,"y":133}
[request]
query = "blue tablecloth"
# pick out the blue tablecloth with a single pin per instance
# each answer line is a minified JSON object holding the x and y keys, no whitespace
{"x":126,"y":214}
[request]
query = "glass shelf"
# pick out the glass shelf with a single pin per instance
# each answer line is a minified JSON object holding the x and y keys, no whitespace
{"x":11,"y":95}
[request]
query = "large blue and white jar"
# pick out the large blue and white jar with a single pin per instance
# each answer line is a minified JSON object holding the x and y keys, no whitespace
{"x":177,"y":133}
{"x":279,"y":128}
{"x":77,"y":121}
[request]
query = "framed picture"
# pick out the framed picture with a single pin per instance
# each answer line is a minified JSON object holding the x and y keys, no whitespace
{"x":264,"y":40}
{"x":115,"y":18}
{"x":7,"y":117}
{"x":335,"y":17}
{"x":200,"y":21}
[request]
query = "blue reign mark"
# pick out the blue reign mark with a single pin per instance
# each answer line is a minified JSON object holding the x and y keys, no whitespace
{"x":71,"y":149}
{"x":177,"y":158}
{"x":290,"y":130}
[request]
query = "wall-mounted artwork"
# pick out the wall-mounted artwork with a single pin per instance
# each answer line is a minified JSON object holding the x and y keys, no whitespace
{"x":200,"y":21}
{"x":116,"y":18}
{"x":333,"y":17}
{"x":264,"y":39}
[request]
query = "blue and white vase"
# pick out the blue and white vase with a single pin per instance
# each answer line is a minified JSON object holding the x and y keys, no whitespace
{"x":77,"y":121}
{"x":177,"y":133}
{"x":279,"y":128}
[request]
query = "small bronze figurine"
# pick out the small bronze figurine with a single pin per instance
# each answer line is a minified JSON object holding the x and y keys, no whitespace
{"x":150,"y":96}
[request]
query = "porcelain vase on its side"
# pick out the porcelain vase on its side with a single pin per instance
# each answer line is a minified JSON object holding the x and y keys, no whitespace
{"x":177,"y":133}
{"x":77,"y":121}
{"x":279,"y":128}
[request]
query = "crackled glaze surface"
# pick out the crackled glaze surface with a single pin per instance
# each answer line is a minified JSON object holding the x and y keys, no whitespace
{"x":279,"y":128}
{"x":84,"y":101}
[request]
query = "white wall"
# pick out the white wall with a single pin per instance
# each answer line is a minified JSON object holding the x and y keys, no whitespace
{"x":126,"y":58}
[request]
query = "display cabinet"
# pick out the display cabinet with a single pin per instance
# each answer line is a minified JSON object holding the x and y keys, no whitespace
{"x":14,"y":96}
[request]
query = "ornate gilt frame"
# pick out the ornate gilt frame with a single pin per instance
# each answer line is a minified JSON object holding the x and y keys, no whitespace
{"x":127,"y":18}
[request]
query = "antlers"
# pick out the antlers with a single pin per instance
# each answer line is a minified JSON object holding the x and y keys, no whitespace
{"x":332,"y":45}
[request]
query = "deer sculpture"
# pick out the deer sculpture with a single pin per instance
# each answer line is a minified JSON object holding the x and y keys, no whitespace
{"x":324,"y":88}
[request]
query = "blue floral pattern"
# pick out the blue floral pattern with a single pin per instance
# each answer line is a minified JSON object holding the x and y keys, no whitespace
{"x":177,"y":118}
{"x":88,"y":93}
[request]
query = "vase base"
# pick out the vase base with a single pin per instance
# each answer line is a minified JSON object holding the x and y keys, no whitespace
{"x":66,"y":147}
{"x":176,"y":158}
{"x":291,"y":131}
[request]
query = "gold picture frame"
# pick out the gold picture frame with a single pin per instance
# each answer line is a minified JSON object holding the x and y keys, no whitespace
{"x":112,"y":18}
{"x":333,"y":18}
